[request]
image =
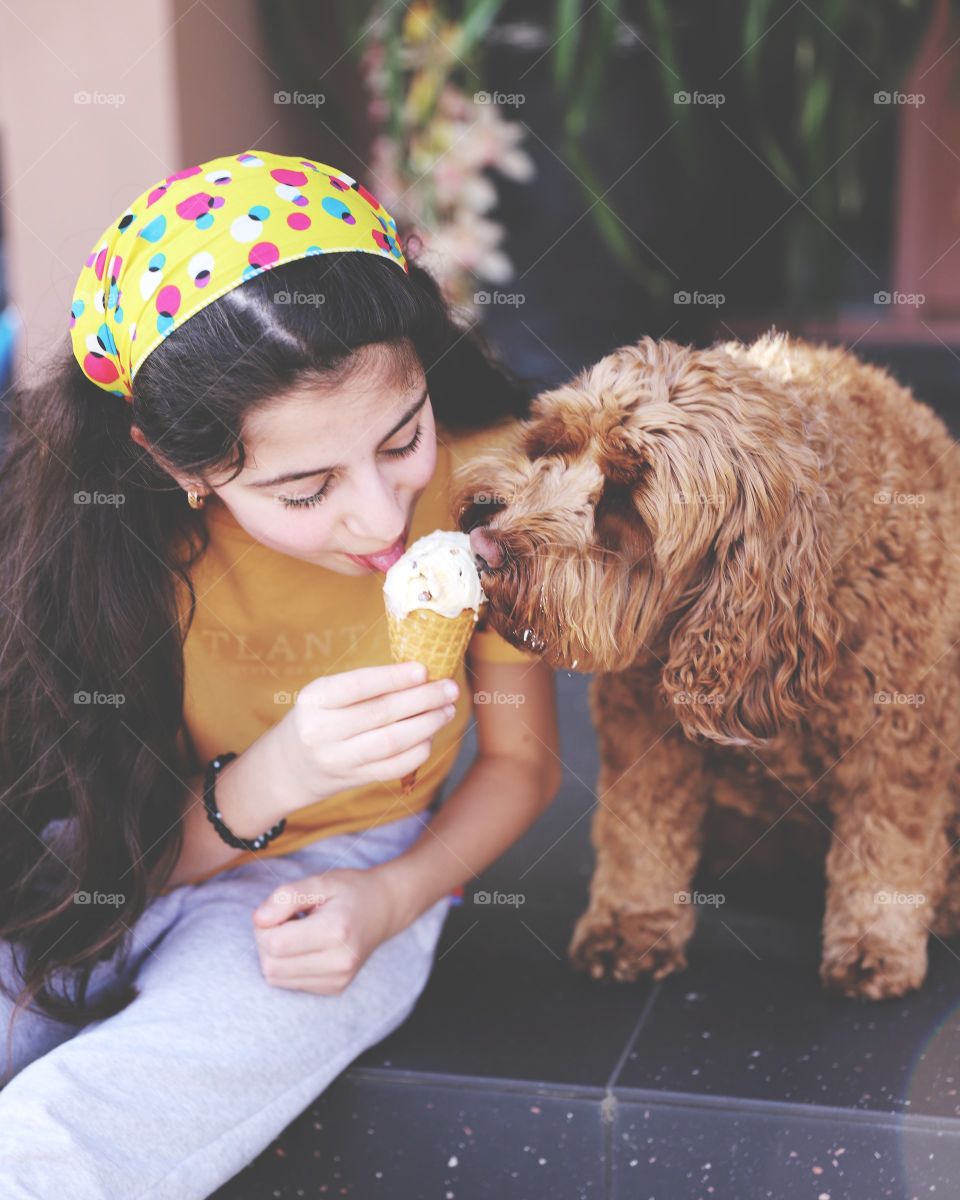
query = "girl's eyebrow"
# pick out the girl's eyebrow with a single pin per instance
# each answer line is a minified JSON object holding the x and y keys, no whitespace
{"x":290,"y":476}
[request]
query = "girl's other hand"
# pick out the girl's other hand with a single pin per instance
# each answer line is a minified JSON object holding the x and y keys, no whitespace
{"x":347,"y":913}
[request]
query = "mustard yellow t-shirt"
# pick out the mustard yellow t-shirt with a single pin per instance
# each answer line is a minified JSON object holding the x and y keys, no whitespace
{"x":266,"y":624}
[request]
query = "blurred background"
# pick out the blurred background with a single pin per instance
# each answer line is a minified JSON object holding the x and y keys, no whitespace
{"x":580,"y":172}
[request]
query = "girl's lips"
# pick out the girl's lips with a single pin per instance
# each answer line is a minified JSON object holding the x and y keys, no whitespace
{"x":382,"y":562}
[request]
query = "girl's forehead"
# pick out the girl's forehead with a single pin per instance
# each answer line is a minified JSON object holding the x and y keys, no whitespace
{"x":327,"y":425}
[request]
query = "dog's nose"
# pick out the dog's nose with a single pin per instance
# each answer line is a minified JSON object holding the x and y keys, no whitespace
{"x":485,"y":547}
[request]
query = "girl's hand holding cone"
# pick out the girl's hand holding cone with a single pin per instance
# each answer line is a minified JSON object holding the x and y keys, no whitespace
{"x":369,"y":724}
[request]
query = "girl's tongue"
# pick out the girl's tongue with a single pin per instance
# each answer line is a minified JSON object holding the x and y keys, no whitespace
{"x":384,"y":561}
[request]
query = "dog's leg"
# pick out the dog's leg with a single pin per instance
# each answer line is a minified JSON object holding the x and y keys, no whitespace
{"x":887,"y":865}
{"x":646,"y":834}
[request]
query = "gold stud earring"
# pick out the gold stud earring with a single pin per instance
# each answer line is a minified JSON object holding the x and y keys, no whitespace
{"x":195,"y":500}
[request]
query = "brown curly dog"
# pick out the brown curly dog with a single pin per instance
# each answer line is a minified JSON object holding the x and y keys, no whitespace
{"x":756,"y":551}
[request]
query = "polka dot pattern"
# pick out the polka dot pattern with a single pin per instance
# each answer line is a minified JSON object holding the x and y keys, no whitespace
{"x":202,"y":231}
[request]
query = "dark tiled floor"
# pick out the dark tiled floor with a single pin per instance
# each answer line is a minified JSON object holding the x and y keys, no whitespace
{"x":667,"y":1151}
{"x":499,"y":977}
{"x":748,"y":1019}
{"x":368,"y":1138}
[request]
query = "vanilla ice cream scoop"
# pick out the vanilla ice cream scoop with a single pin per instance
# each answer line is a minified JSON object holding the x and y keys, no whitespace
{"x":437,"y":572}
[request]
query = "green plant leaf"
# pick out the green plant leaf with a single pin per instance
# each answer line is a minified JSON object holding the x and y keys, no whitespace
{"x":356,"y":18}
{"x":613,"y":229}
{"x":582,"y":108}
{"x":670,"y":74}
{"x":566,"y":37}
{"x":395,"y":89}
{"x":477,"y":19}
{"x":816,"y":102}
{"x":757,"y":20}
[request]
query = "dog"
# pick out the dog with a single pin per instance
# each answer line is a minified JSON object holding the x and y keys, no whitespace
{"x":755,"y":550}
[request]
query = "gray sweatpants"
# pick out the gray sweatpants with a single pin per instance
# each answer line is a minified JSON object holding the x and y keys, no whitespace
{"x":171,"y":1097}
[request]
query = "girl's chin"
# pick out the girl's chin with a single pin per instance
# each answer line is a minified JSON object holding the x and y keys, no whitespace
{"x":330,"y":560}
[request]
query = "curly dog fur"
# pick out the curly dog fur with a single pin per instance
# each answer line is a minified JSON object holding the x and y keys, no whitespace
{"x":755,"y":549}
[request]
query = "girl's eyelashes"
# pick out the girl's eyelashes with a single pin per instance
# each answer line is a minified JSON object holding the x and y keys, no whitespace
{"x":409,"y":447}
{"x":306,"y":501}
{"x":303,"y":501}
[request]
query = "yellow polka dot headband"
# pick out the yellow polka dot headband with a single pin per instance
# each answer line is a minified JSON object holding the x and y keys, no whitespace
{"x":202,"y":231}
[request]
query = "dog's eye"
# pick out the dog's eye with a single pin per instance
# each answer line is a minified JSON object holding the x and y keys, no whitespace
{"x":549,"y":436}
{"x":614,"y":514}
{"x":616,"y":499}
{"x":623,"y":461}
{"x":538,"y":447}
{"x":622,"y":469}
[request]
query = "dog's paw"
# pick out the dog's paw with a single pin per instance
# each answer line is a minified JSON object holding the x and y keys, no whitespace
{"x":623,"y":946}
{"x":873,"y":967}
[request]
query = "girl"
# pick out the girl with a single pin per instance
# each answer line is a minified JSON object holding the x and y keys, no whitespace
{"x":198,"y":713}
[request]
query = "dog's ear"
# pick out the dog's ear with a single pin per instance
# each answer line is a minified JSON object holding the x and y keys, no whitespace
{"x":756,"y":637}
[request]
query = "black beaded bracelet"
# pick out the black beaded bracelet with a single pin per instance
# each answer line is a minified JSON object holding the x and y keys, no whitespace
{"x":216,"y":819}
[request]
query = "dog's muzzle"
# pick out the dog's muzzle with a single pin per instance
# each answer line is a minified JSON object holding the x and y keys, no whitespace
{"x":487,"y":549}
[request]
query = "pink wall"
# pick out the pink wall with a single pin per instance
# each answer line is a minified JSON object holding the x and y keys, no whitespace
{"x":170,"y":82}
{"x":928,"y":234}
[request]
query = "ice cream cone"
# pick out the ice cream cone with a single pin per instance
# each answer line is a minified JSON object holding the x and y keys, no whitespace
{"x":438,"y":642}
{"x":433,"y":596}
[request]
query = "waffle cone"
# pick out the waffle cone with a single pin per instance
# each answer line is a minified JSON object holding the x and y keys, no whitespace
{"x":438,"y":642}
